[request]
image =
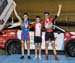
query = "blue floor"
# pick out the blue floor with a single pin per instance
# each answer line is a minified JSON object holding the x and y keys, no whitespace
{"x":16,"y":59}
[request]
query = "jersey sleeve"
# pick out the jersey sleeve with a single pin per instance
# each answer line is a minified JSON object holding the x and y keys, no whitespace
{"x":32,"y":25}
{"x":42,"y":23}
{"x":53,"y":18}
{"x":29,"y":21}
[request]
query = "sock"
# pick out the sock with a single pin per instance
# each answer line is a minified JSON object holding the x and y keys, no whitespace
{"x":28,"y":52}
{"x":40,"y":56}
{"x":22,"y":51}
{"x":35,"y":56}
{"x":39,"y":51}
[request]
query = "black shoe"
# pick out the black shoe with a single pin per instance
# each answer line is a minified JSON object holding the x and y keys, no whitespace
{"x":29,"y":57}
{"x":22,"y":57}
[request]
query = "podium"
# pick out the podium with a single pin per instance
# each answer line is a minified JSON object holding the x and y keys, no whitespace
{"x":6,"y":9}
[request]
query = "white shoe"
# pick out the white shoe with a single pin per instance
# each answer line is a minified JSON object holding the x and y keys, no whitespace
{"x":40,"y":57}
{"x":35,"y":58}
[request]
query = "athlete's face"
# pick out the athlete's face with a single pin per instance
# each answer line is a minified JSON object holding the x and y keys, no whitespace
{"x":46,"y":16}
{"x":37,"y":20}
{"x":25,"y":17}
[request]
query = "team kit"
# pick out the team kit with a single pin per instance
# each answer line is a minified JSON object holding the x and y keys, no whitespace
{"x":38,"y":25}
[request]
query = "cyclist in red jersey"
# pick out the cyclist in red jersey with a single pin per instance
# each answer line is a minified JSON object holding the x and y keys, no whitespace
{"x":49,"y":36}
{"x":37,"y":36}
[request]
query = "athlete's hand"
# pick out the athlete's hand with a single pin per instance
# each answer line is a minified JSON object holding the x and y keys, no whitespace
{"x":59,"y":10}
{"x":22,"y":24}
{"x":60,"y":6}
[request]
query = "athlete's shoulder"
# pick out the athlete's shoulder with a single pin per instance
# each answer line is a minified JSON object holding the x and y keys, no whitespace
{"x":22,"y":20}
{"x":29,"y":21}
{"x":52,"y":17}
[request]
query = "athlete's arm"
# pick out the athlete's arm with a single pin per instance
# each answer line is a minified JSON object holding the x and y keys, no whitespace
{"x":58,"y":13}
{"x":59,"y":10}
{"x":16,"y":14}
{"x":32,"y":25}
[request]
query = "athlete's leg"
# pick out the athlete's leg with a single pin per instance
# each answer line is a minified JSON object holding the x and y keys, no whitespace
{"x":46,"y":44}
{"x":28,"y":44}
{"x":22,"y":49}
{"x":54,"y":49}
{"x":28,"y":49}
{"x":36,"y":49}
{"x":46,"y":49}
{"x":40,"y":51}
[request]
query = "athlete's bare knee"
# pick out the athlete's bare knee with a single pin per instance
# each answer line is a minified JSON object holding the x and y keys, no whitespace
{"x":28,"y":42}
{"x":46,"y":44}
{"x":53,"y":44}
{"x":22,"y":43}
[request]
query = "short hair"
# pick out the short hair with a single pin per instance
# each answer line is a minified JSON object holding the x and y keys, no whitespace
{"x":38,"y":17}
{"x":46,"y":13}
{"x":25,"y":13}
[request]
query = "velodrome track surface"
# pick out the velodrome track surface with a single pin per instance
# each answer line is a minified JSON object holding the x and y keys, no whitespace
{"x":16,"y":59}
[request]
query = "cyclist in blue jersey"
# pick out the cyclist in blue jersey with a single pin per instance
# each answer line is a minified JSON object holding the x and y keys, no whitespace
{"x":25,"y":33}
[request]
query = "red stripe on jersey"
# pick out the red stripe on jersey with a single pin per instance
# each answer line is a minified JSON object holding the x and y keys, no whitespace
{"x":34,"y":25}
